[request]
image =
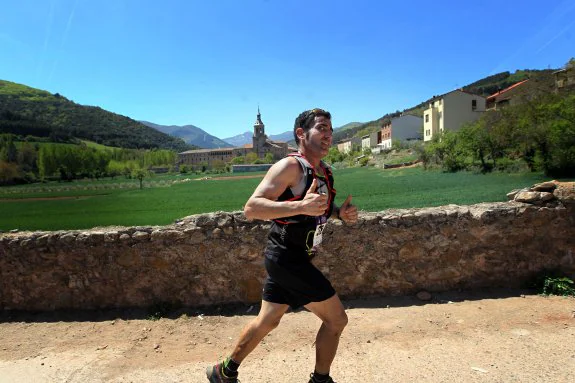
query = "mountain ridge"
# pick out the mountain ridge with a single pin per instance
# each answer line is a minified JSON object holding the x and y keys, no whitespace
{"x":28,"y":111}
{"x":191,"y":134}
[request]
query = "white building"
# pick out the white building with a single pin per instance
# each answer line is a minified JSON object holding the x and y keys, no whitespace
{"x":370,"y":141}
{"x":450,"y":111}
{"x":403,"y":128}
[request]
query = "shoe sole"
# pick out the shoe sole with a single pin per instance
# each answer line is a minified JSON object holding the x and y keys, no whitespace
{"x":209,"y":374}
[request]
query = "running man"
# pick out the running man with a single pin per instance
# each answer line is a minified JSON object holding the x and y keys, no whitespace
{"x":297,"y":194}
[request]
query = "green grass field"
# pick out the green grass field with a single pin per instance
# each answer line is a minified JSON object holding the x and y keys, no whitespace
{"x":94,"y":204}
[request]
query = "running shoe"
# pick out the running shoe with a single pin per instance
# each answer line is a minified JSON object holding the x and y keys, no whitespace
{"x":329,"y":380}
{"x":216,"y":374}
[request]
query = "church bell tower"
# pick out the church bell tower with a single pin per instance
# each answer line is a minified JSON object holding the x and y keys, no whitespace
{"x":259,"y":137}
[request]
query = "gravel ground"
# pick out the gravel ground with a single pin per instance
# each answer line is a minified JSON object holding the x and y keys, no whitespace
{"x":494,"y":336}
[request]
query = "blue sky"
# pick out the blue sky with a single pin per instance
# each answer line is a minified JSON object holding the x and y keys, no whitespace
{"x":210,"y":63}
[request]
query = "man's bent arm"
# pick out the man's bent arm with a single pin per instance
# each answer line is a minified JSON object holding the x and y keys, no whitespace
{"x":263,"y":203}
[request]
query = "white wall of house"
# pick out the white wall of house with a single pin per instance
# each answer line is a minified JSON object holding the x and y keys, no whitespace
{"x":406,"y":128}
{"x":450,"y":112}
{"x":369,"y":141}
{"x":403,"y":128}
{"x":385,"y":144}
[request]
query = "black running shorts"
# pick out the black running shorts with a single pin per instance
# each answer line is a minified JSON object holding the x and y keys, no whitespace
{"x":295,"y":283}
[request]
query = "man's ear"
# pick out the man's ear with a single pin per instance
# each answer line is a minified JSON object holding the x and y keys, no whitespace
{"x":299,"y":132}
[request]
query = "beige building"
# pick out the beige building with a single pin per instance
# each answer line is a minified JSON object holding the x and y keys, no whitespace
{"x":346,"y":146}
{"x":565,"y":79}
{"x":402,"y":128}
{"x":261,"y":145}
{"x":450,"y":111}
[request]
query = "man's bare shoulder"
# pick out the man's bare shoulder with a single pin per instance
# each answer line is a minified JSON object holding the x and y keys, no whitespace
{"x":287,"y":164}
{"x":286,"y":171}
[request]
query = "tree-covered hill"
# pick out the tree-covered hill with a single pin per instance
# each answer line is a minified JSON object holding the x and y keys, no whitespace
{"x":492,"y":84}
{"x":28,"y":111}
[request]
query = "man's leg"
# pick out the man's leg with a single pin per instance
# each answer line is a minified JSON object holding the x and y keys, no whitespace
{"x":268,"y":318}
{"x":334,"y":318}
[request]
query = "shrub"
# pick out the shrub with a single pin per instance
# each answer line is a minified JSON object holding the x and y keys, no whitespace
{"x":553,"y":283}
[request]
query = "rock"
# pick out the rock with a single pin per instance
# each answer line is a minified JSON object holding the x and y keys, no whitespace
{"x":68,"y":238}
{"x":224,"y":220}
{"x":424,"y":295}
{"x":527,"y":196}
{"x":167,"y":235}
{"x":444,"y":274}
{"x":511,"y":195}
{"x":111,"y":236}
{"x":125,"y":237}
{"x":412,"y":251}
{"x":140,"y":236}
{"x":196,"y":236}
{"x":565,"y":192}
{"x":548,"y":186}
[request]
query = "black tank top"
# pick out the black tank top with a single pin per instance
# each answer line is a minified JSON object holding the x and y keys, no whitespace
{"x":291,"y":238}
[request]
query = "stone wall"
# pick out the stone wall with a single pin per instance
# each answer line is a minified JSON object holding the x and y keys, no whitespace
{"x":217,"y":258}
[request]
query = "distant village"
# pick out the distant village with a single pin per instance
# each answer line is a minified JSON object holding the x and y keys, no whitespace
{"x":447,"y":112}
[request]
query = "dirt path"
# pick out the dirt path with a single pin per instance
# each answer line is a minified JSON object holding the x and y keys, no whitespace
{"x":497,"y":336}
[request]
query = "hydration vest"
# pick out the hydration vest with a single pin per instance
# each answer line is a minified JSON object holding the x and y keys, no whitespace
{"x":296,"y":233}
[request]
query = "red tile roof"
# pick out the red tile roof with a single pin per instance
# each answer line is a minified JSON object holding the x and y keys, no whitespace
{"x":506,"y":89}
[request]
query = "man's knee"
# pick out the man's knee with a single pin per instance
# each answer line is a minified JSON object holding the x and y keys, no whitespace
{"x":268,"y":324}
{"x":337,"y":322}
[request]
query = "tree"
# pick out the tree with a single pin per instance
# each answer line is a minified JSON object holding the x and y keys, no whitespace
{"x":238,"y":160}
{"x":27,"y":157}
{"x":251,"y":157}
{"x":269,"y":158}
{"x":334,"y":155}
{"x":8,"y":172}
{"x":140,"y":174}
{"x":219,"y":165}
{"x":8,"y":151}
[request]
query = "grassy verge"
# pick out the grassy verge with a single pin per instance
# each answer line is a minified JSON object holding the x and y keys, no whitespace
{"x":373,"y":189}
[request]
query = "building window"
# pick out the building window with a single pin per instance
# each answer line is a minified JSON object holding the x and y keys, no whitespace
{"x":473,"y":104}
{"x":427,"y":118}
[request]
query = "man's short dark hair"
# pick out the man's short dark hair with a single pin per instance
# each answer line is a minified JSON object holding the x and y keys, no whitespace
{"x":305,"y":120}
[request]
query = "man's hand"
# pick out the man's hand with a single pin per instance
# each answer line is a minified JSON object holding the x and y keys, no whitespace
{"x":314,"y":204}
{"x":347,"y":211}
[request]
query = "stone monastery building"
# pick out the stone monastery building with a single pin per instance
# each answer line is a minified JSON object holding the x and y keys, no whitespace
{"x":261,"y":145}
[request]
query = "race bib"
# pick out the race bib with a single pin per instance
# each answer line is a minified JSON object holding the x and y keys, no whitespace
{"x":321,"y":222}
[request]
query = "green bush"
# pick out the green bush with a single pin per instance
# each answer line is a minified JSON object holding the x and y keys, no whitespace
{"x":553,"y":283}
{"x":364,"y":161}
{"x":559,"y":286}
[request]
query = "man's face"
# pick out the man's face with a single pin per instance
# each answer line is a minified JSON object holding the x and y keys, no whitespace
{"x":320,"y":135}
